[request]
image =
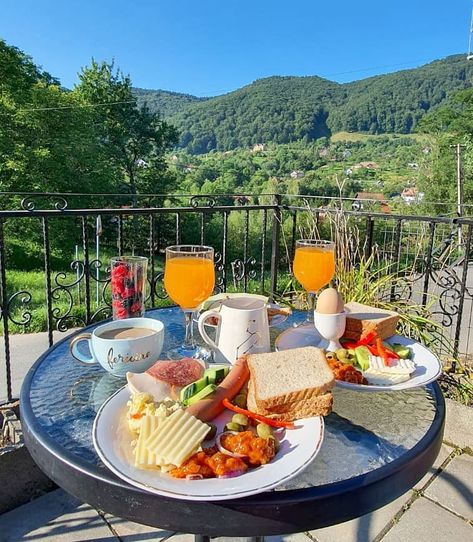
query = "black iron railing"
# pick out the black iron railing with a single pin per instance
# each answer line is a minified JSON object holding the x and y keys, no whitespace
{"x":66,"y":241}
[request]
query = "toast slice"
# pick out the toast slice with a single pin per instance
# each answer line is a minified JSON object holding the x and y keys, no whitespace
{"x":320,"y":405}
{"x":363,"y":319}
{"x":290,"y":375}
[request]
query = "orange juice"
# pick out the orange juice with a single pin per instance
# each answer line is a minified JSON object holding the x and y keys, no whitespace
{"x":189,"y":280}
{"x":313,"y":267}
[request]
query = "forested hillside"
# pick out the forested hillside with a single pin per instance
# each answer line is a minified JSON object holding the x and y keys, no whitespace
{"x":286,"y":109}
{"x":165,"y":102}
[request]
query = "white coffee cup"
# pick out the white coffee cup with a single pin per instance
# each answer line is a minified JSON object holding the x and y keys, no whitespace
{"x":133,"y":354}
{"x":242,"y":329}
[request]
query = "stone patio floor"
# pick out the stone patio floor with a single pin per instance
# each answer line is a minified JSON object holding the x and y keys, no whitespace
{"x":438,"y":508}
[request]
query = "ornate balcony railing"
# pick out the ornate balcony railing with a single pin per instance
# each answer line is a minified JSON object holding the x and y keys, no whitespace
{"x":66,"y":240}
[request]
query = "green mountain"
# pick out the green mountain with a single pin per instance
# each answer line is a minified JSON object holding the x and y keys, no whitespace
{"x":285,"y":109}
{"x":164,"y":101}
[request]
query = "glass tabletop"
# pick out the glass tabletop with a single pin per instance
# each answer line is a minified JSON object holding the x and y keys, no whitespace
{"x":365,"y":430}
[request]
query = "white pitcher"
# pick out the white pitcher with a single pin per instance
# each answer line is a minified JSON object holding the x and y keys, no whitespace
{"x":242,"y":329}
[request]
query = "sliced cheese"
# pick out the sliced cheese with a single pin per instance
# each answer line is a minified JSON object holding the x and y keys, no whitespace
{"x":144,"y":459}
{"x":384,"y":379}
{"x":177,"y":438}
{"x":396,"y":366}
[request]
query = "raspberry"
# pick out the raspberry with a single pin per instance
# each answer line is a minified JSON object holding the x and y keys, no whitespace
{"x":120,"y":312}
{"x":129,"y":292}
{"x":120,"y":271}
{"x":136,"y":307}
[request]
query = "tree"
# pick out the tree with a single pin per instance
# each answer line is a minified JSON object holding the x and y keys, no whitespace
{"x":133,"y":138}
{"x":449,"y":125}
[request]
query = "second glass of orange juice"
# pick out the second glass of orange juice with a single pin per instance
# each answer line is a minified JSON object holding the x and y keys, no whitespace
{"x":189,"y":279}
{"x":313,"y":267}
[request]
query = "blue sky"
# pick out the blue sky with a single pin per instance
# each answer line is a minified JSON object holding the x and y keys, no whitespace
{"x":208,"y":47}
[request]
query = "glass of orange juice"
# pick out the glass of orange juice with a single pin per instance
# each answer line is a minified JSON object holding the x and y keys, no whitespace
{"x":313,"y":267}
{"x":189,"y":279}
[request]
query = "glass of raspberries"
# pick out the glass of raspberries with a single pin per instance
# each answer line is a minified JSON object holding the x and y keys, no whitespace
{"x":128,"y":280}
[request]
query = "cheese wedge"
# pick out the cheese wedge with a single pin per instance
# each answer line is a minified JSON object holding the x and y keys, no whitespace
{"x":384,"y":379}
{"x":144,"y":459}
{"x":177,"y":438}
{"x":398,"y":370}
{"x":396,"y":366}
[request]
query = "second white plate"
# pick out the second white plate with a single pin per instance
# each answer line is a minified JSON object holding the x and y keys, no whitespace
{"x":428,"y":366}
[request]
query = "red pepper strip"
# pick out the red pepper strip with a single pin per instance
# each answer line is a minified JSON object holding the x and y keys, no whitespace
{"x":373,"y":350}
{"x":382,"y":352}
{"x":274,"y":423}
{"x":391,"y":353}
{"x":368,"y":338}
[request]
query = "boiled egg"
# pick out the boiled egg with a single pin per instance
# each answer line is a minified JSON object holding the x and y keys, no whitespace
{"x":329,"y":302}
{"x":145,"y":383}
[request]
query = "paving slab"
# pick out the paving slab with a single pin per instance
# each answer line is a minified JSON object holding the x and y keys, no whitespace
{"x":134,"y":532}
{"x":453,"y":488}
{"x":364,"y":528}
{"x":25,"y":349}
{"x":55,"y":517}
{"x":298,"y":537}
{"x":445,"y":451}
{"x":129,"y":531}
{"x":428,"y":522}
{"x":458,"y":424}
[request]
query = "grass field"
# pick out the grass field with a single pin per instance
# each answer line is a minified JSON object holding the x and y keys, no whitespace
{"x":28,"y":308}
{"x":358,"y":136}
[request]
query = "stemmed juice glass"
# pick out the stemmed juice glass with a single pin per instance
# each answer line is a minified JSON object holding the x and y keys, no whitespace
{"x":313,"y":267}
{"x":189,"y":279}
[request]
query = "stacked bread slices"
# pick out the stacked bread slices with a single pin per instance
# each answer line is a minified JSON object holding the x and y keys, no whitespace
{"x":291,"y":384}
{"x":363,"y":319}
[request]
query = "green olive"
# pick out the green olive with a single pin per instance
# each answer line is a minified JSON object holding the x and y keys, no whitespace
{"x":264,"y":430}
{"x":213,"y":431}
{"x":276,"y":442}
{"x":342,"y":353}
{"x":240,"y":419}
{"x":240,"y":400}
{"x":232,"y":426}
{"x":331,"y":355}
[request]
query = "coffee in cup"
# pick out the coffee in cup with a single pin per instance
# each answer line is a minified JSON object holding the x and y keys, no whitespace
{"x":122,"y":346}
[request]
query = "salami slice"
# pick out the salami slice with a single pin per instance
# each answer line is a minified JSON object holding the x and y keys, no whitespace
{"x":177,"y":373}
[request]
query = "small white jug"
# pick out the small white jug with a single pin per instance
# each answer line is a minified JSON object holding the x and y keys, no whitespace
{"x":242,"y":329}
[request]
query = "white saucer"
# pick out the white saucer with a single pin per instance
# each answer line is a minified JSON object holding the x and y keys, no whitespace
{"x":297,"y":337}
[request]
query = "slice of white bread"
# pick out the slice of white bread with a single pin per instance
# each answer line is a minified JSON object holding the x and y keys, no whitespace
{"x":363,"y":319}
{"x":290,"y":375}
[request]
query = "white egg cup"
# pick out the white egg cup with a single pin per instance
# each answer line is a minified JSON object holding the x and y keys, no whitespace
{"x":331,"y":327}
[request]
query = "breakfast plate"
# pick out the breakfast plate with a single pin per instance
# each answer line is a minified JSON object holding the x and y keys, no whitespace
{"x":428,"y":366}
{"x":112,"y":440}
{"x":214,"y":303}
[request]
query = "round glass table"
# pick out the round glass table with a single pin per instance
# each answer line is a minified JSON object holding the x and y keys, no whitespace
{"x":376,"y":447}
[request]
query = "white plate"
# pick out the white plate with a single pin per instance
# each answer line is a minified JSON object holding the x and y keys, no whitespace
{"x":112,"y":440}
{"x":428,"y":367}
{"x":214,"y":302}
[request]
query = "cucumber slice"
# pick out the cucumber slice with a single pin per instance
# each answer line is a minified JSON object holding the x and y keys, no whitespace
{"x":191,"y":389}
{"x":216,"y":374}
{"x":402,"y":351}
{"x":208,"y":390}
{"x":362,"y":356}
